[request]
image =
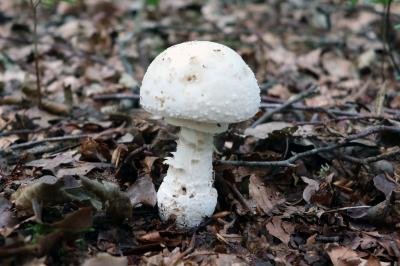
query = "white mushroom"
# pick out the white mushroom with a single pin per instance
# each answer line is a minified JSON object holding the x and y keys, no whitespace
{"x":201,"y":87}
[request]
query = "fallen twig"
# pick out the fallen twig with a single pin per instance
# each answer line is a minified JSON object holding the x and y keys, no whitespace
{"x":54,"y":139}
{"x":117,"y":96}
{"x":290,"y":161}
{"x":237,"y":194}
{"x":20,"y":131}
{"x":34,"y":7}
{"x":290,"y":102}
{"x":372,"y":158}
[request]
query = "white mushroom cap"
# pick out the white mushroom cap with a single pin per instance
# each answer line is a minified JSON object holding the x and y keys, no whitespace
{"x":201,"y":81}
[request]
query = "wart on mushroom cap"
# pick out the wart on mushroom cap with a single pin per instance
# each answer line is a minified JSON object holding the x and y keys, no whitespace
{"x":201,"y":87}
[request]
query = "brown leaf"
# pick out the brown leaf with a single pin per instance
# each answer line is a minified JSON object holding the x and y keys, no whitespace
{"x":94,"y":150}
{"x":265,"y":197}
{"x":117,"y":203}
{"x":149,"y":162}
{"x":55,"y":108}
{"x":7,"y":218}
{"x":153,"y":237}
{"x":46,"y":189}
{"x":373,"y":261}
{"x":226,"y":259}
{"x":280,"y":229}
{"x":311,"y":61}
{"x":81,"y":169}
{"x":343,"y":256}
{"x":337,"y":67}
{"x":76,"y":221}
{"x":280,"y":91}
{"x":267,"y":130}
{"x":50,"y":164}
{"x":143,"y":191}
{"x":105,"y":259}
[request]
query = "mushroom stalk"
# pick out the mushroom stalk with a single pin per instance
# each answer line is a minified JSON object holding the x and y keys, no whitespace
{"x":187,"y":192}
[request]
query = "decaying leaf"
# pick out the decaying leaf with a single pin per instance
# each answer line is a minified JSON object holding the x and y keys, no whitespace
{"x":105,"y":259}
{"x":343,"y":256}
{"x":47,"y":189}
{"x":385,"y":185}
{"x":280,"y":229}
{"x":7,"y":218}
{"x":55,"y":107}
{"x":311,"y":188}
{"x":267,"y":130}
{"x":266,"y":197}
{"x":95,"y":150}
{"x":76,"y":221}
{"x":117,"y":203}
{"x":51,"y":164}
{"x":143,"y":191}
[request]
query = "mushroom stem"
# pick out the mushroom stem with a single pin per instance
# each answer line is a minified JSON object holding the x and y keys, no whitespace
{"x":187,"y":193}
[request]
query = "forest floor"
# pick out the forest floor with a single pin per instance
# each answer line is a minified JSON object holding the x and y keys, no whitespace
{"x":312,"y":179}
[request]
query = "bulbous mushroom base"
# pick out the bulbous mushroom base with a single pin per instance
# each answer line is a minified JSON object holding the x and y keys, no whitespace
{"x":189,"y":210}
{"x":187,"y":192}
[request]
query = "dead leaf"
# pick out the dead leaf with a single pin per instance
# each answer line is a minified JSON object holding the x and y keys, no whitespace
{"x":311,"y":61}
{"x":94,"y":150}
{"x":366,"y":59}
{"x":105,"y":259}
{"x":311,"y":188}
{"x":337,"y":67}
{"x":280,"y":91}
{"x":226,"y":259}
{"x":143,"y":191}
{"x":385,"y":185}
{"x":266,"y":130}
{"x":46,"y":189}
{"x":55,"y":107}
{"x":51,"y":164}
{"x":116,"y":202}
{"x":36,"y":262}
{"x":280,"y":229}
{"x":7,"y":219}
{"x":76,"y":221}
{"x":343,"y":256}
{"x":265,"y":197}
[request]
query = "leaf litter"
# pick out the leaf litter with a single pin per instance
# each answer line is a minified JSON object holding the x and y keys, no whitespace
{"x":78,"y":177}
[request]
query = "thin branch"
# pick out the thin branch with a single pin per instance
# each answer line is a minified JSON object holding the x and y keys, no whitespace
{"x":237,"y":193}
{"x":20,"y":131}
{"x":290,"y":102}
{"x":386,"y":40}
{"x":117,"y":96}
{"x":372,"y":159}
{"x":290,"y":161}
{"x":34,"y":6}
{"x":54,"y":139}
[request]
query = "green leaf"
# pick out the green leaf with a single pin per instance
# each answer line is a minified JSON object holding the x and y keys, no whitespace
{"x":152,"y":2}
{"x":51,"y":3}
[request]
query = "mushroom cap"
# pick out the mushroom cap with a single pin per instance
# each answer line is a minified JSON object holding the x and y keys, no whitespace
{"x":200,"y":81}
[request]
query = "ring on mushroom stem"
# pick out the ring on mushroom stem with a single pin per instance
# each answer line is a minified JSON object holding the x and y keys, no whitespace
{"x":201,"y":87}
